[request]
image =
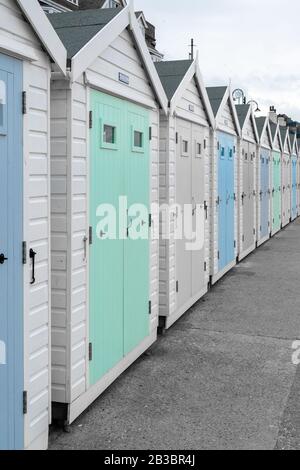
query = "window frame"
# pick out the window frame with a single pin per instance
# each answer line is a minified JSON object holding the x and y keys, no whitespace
{"x":135,"y":149}
{"x":107,"y":145}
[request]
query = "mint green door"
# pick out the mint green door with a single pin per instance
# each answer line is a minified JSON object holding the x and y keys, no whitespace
{"x":136,"y":248}
{"x":276,"y":191}
{"x":119,"y":265}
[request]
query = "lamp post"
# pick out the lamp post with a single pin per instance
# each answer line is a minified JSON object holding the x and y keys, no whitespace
{"x":257,"y":110}
{"x":239,"y":95}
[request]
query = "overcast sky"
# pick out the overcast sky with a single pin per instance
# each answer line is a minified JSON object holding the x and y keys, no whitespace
{"x":253,"y":43}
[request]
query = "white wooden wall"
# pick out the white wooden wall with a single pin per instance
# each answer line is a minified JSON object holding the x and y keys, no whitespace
{"x":69,"y":156}
{"x":36,"y":126}
{"x":167,"y":171}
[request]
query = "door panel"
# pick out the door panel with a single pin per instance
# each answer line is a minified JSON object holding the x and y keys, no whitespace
{"x":264,"y":193}
{"x":276,"y":190}
{"x":226,"y":200}
{"x":183,"y":197}
{"x":198,"y":194}
{"x":106,"y":256}
{"x":119,"y":268}
{"x":137,"y":253}
{"x":230,"y":193}
{"x":222,"y":217}
{"x":11,"y":271}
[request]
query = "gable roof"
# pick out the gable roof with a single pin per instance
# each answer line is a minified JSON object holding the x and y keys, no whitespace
{"x":87,"y":34}
{"x":77,"y":28}
{"x":245,"y":113}
{"x":284,"y":133}
{"x":175,"y":77}
{"x":275,"y":133}
{"x":36,"y":17}
{"x":260,"y":125}
{"x":242,"y":112}
{"x":293,"y":141}
{"x":219,"y":97}
{"x":171,"y":74}
{"x":216,"y":96}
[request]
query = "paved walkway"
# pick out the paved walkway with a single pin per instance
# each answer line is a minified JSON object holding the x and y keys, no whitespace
{"x":222,"y":377}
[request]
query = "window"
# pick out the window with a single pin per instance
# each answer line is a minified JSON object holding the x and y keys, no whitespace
{"x":109,"y":134}
{"x":231,"y":154}
{"x":185,"y":146}
{"x":138,"y":139}
{"x":222,"y":152}
{"x":3,"y":117}
{"x":199,"y":149}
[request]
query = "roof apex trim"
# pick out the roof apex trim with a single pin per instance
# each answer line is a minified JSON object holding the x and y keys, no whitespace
{"x":88,"y":54}
{"x":45,"y":32}
{"x":193,"y":71}
{"x":228,"y":97}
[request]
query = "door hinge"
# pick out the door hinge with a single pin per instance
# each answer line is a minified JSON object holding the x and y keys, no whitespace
{"x":205,"y":209}
{"x":24,"y":252}
{"x":150,"y":307}
{"x":150,"y":220}
{"x":24,"y":102}
{"x":150,"y":133}
{"x":205,"y":266}
{"x":91,"y":119}
{"x":176,"y":137}
{"x":218,"y":255}
{"x":177,"y":287}
{"x":90,"y":235}
{"x":218,"y":145}
{"x":25,"y":403}
{"x":90,"y":352}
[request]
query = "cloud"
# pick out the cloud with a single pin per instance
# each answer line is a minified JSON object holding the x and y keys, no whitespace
{"x":252,"y":43}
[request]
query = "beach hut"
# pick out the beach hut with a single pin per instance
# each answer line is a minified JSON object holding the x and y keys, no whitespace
{"x":264,"y":180}
{"x":276,"y":178}
{"x":247,"y":191}
{"x":105,"y":180}
{"x":28,"y":44}
{"x":293,"y":176}
{"x":224,"y":181}
{"x":285,"y":176}
{"x":184,"y":188}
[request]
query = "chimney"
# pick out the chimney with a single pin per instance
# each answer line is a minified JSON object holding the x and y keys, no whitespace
{"x":273,"y":115}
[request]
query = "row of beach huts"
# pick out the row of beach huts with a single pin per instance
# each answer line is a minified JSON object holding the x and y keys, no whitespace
{"x":86,"y":117}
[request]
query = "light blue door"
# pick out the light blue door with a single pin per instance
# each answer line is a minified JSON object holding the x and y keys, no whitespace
{"x":11,"y":279}
{"x":226,"y":198}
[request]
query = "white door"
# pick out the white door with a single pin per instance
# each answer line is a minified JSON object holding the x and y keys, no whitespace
{"x":184,"y":201}
{"x":198,"y":195}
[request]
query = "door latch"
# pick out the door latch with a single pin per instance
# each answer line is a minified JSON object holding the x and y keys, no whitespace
{"x":32,"y":255}
{"x":2,"y":258}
